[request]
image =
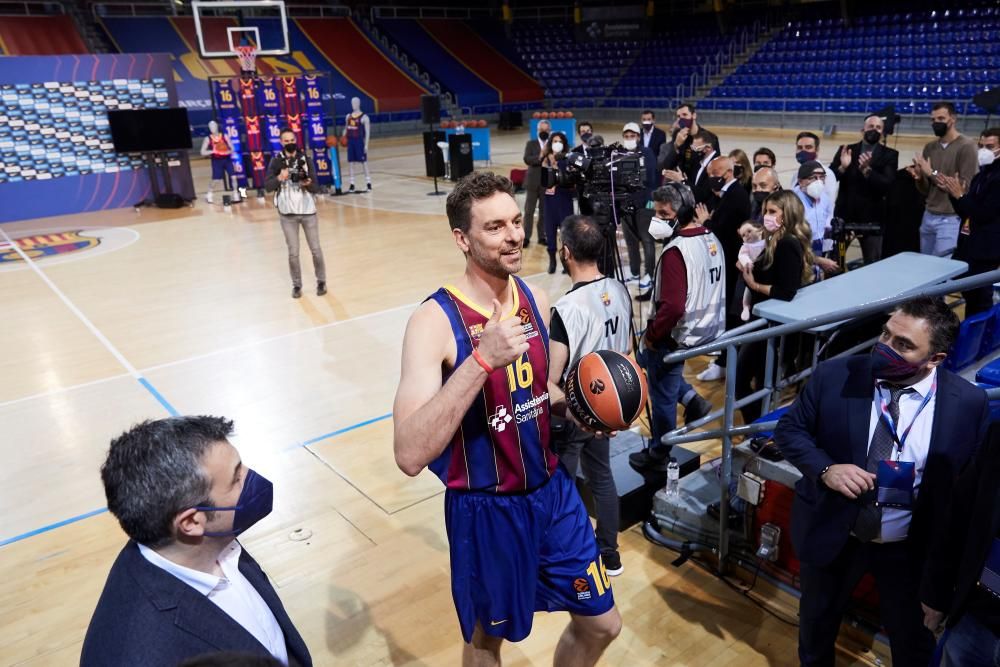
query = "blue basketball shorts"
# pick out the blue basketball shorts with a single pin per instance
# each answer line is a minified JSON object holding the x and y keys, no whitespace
{"x":356,"y":150}
{"x":513,"y":555}
{"x":221,"y":165}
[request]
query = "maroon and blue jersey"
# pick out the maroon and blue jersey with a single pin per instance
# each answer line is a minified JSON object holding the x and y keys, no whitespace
{"x":502,"y":445}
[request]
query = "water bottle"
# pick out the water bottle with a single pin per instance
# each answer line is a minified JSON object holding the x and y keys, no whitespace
{"x":673,"y":478}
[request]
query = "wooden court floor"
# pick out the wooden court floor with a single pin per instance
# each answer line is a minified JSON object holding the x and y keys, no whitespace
{"x":195,"y":317}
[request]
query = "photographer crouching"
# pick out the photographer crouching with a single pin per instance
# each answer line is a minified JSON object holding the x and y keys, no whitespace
{"x":291,"y":176}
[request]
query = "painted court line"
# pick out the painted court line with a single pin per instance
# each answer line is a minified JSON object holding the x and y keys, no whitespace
{"x":102,"y":510}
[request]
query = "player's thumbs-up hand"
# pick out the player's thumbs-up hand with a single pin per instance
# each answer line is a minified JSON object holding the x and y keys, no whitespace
{"x":502,"y":340}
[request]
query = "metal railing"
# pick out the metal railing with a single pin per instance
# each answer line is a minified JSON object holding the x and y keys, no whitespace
{"x":30,"y":8}
{"x":463,"y":13}
{"x":133,"y":9}
{"x":750,"y":333}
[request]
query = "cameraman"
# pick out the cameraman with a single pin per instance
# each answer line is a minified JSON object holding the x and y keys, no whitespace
{"x":291,"y":176}
{"x":635,"y":226}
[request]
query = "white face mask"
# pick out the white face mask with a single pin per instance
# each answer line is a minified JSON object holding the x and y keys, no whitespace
{"x":630,"y":144}
{"x":557,"y":146}
{"x":661,"y":229}
{"x":986,"y":157}
{"x":815,"y":189}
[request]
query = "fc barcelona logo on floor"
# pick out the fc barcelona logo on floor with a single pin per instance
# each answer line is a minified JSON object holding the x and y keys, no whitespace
{"x":63,"y":245}
{"x":44,"y":245}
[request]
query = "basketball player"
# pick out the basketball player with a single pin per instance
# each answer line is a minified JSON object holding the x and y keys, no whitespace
{"x":473,"y":406}
{"x":218,"y":148}
{"x":357,"y":129}
{"x":594,"y":315}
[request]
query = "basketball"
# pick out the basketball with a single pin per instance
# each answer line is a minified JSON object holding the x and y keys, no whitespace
{"x":483,"y":123}
{"x":445,"y":124}
{"x":560,"y":114}
{"x":537,"y":114}
{"x":331,"y":141}
{"x":606,"y":390}
{"x":569,"y":114}
{"x":343,"y":140}
{"x":545,"y":114}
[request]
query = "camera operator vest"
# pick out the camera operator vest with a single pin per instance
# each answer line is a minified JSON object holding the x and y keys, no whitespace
{"x":704,"y":310}
{"x":597,"y":316}
{"x":291,"y":198}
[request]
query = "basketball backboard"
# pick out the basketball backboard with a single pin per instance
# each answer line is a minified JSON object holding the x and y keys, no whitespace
{"x":222,"y":25}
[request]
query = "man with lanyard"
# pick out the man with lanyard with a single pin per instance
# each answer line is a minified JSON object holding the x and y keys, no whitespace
{"x":879,"y":440}
{"x":473,"y":406}
{"x":689,"y":299}
{"x":596,"y":314}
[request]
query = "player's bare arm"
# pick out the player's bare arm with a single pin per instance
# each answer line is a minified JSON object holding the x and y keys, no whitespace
{"x":426,"y":413}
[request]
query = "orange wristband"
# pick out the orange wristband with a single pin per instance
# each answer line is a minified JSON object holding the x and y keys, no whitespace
{"x":482,"y":362}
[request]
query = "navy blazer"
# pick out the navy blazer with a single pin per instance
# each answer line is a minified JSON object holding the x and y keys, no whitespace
{"x":829,"y":424}
{"x":147,"y":616}
{"x":959,"y":553}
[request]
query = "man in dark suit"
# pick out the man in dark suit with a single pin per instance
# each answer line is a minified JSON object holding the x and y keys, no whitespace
{"x":866,"y":170}
{"x":653,"y":137}
{"x":730,"y":208}
{"x":183,"y":586}
{"x":963,"y":558}
{"x":534,"y":193}
{"x":676,"y":154}
{"x":893,"y":426}
{"x":696,"y":175}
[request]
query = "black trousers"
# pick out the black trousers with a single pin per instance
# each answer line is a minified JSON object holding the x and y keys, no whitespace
{"x":576,"y":447}
{"x":826,"y":593}
{"x":980,"y":299}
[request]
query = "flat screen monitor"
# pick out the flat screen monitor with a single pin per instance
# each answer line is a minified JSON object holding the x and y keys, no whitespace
{"x":150,"y":130}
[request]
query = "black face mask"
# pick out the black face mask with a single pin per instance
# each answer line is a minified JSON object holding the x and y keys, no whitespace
{"x":872,"y":136}
{"x":647,"y":124}
{"x":585,"y":137}
{"x":737,"y":170}
{"x":543,"y":135}
{"x":940,"y":129}
{"x":716,"y":183}
{"x":289,"y":148}
{"x":760,"y":196}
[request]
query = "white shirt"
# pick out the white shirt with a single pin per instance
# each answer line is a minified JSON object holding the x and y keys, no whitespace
{"x":896,"y":522}
{"x":232,"y":593}
{"x":726,"y":187}
{"x":647,"y":136}
{"x":704,"y":164}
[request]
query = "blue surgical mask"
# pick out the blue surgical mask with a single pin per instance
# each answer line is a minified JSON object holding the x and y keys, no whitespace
{"x":887,"y":364}
{"x":255,"y":502}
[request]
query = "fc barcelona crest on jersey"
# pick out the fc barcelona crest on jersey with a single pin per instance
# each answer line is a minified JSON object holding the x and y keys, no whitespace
{"x":713,"y":248}
{"x":606,"y":298}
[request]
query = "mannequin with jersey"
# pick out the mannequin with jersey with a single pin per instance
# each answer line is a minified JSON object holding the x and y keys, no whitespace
{"x":216,"y":146}
{"x":357,"y":129}
{"x":689,"y":310}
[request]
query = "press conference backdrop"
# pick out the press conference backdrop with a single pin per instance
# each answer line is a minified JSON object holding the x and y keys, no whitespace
{"x":56,"y":150}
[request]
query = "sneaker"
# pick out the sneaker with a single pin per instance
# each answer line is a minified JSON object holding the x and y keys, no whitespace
{"x":630,"y":277}
{"x":209,"y":198}
{"x":612,"y":563}
{"x":369,"y":187}
{"x":351,"y":189}
{"x":645,"y":283}
{"x":712,"y":373}
{"x":296,"y":292}
{"x":697,"y":407}
{"x":647,"y":461}
{"x":321,"y":290}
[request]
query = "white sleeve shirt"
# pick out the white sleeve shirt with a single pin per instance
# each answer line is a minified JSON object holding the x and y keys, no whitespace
{"x":896,"y":522}
{"x":232,"y":593}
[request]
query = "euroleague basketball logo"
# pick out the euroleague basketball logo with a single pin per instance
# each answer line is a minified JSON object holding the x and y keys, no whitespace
{"x":62,"y":245}
{"x":582,"y":588}
{"x":596,"y":387}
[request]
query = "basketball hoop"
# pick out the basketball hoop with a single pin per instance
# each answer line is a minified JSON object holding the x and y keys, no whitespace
{"x":247,"y":55}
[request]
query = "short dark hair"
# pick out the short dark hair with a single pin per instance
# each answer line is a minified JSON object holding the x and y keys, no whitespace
{"x":582,"y":235}
{"x":991,"y":132}
{"x":648,"y":111}
{"x":763,"y":150}
{"x":582,"y":123}
{"x":689,"y":105}
{"x":231,"y":659}
{"x":810,"y":135}
{"x":469,"y":189}
{"x":704,"y":135}
{"x":286,"y":129}
{"x":153,"y":471}
{"x":948,"y":106}
{"x":941,"y":319}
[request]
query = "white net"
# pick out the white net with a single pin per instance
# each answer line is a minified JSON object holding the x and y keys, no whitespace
{"x":247,"y":55}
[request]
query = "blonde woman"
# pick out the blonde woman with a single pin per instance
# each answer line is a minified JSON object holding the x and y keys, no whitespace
{"x":784,"y":266}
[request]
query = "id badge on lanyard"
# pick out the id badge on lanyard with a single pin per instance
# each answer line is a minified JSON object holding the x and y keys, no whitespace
{"x":894,"y":479}
{"x":990,"y":577}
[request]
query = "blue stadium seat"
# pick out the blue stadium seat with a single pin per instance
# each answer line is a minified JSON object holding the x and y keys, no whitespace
{"x":969,"y":341}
